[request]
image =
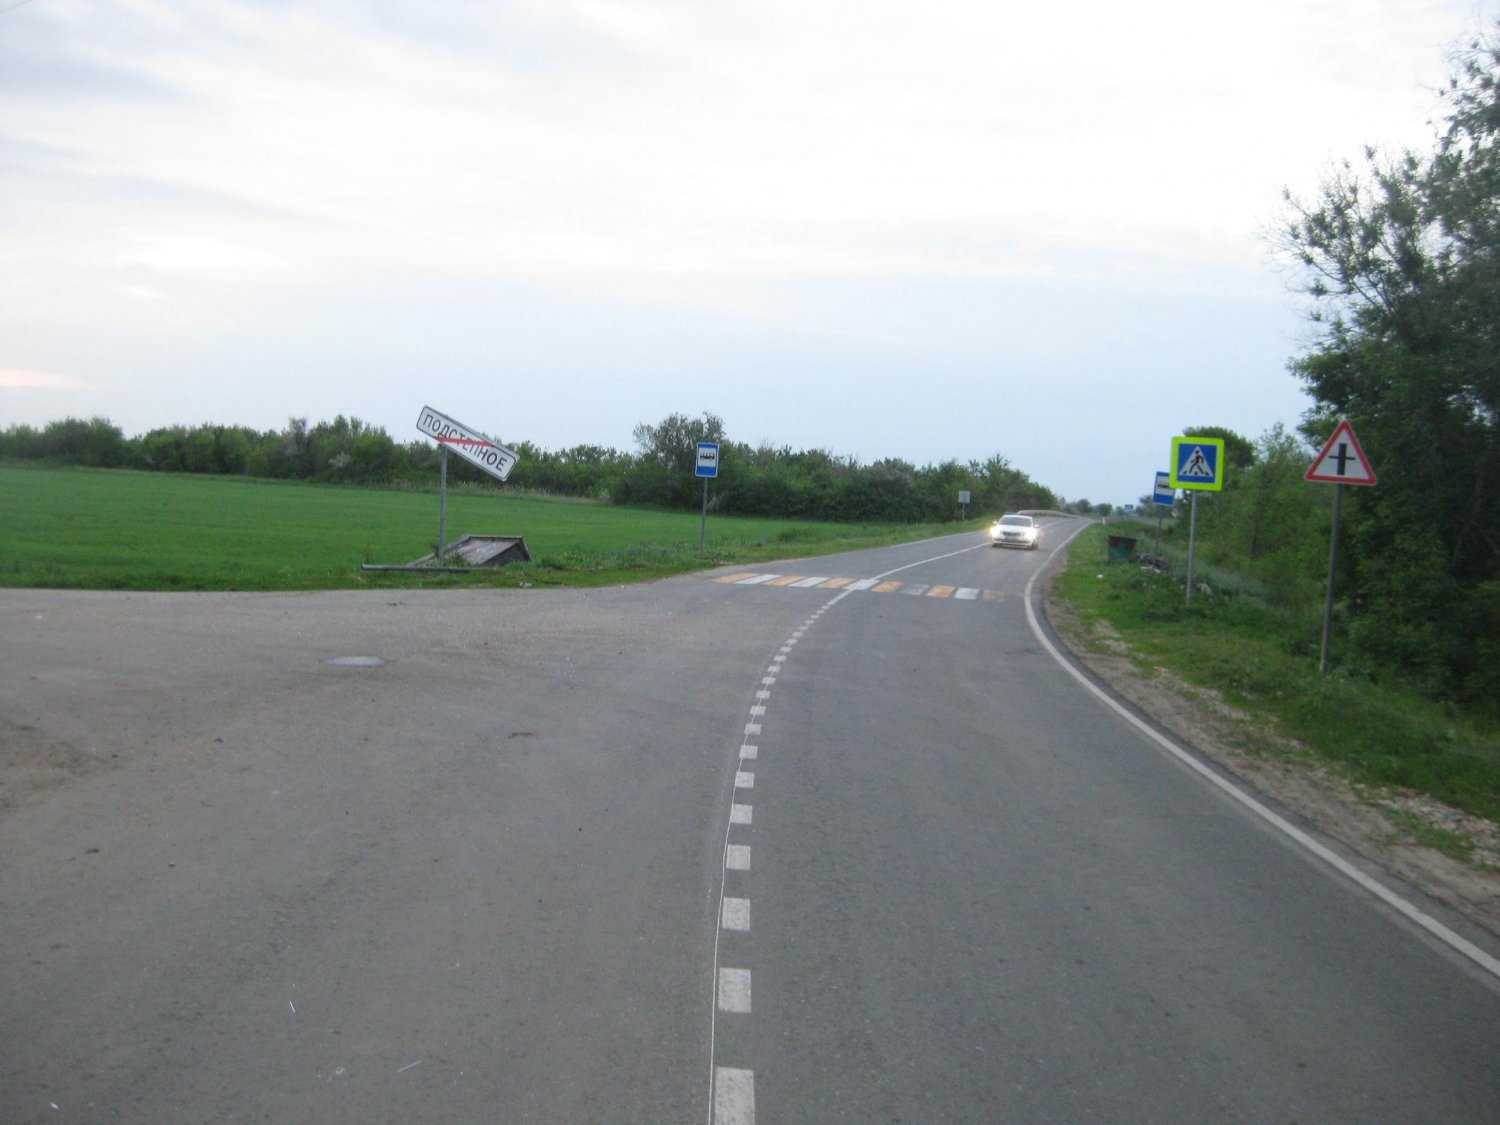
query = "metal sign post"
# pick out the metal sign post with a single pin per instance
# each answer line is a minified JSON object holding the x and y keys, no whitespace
{"x":1333,"y":562}
{"x":1163,"y":495}
{"x":1341,"y":461}
{"x":1192,"y":545}
{"x":707,"y":468}
{"x":442,"y":502}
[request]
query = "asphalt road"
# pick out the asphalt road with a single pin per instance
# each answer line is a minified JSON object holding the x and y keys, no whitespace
{"x":804,"y":853}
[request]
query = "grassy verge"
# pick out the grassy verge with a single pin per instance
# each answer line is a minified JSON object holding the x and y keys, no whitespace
{"x":1264,"y":662}
{"x":120,"y":530}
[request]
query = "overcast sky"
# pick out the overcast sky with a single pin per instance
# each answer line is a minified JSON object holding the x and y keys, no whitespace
{"x":920,"y":230}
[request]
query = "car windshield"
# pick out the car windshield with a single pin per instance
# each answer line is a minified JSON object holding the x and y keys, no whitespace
{"x":1016,"y":521}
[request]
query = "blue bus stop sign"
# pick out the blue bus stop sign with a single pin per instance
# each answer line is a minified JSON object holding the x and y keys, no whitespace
{"x":1164,"y":494}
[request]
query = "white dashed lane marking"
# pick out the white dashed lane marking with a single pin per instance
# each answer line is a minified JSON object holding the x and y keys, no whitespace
{"x":734,"y":1096}
{"x":734,"y":990}
{"x":736,"y":914}
{"x":732,"y":1100}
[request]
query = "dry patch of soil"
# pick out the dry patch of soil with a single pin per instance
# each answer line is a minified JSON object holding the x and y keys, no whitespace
{"x":1379,"y":825}
{"x":32,"y":762}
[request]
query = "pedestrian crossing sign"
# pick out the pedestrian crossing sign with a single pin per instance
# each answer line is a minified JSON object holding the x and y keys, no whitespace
{"x":1198,"y":462}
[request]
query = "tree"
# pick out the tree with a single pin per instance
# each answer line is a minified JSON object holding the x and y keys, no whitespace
{"x":97,"y":443}
{"x":1401,"y":258}
{"x":669,"y":451}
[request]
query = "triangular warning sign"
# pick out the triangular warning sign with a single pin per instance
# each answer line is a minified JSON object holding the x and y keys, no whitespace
{"x":1341,"y":460}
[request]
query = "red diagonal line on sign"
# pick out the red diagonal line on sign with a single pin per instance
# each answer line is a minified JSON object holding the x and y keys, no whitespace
{"x":465,"y":441}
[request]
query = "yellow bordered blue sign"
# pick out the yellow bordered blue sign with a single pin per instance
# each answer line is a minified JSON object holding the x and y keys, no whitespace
{"x":1198,"y":462}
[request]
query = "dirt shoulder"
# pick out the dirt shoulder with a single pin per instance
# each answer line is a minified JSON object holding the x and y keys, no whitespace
{"x":1382,"y":827}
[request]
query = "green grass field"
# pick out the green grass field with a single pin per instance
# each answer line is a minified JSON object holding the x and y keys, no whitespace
{"x":120,"y":530}
{"x":1265,"y":662}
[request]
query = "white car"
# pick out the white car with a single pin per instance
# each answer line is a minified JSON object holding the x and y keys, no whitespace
{"x":1016,"y":531}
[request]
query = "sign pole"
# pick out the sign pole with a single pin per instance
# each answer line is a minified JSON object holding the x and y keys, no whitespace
{"x":1163,"y":495}
{"x":1333,"y":558}
{"x":442,"y":500}
{"x":1192,"y":547}
{"x":703,"y":519}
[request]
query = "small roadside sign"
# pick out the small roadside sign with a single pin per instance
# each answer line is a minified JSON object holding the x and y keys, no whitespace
{"x":1341,"y":460}
{"x":1198,"y":463}
{"x":708,"y":459}
{"x":1164,"y":494}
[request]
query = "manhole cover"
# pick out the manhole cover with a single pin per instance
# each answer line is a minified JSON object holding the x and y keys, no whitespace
{"x":356,"y":662}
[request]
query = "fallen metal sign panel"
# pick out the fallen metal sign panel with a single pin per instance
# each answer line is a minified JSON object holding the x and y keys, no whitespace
{"x":471,"y":445}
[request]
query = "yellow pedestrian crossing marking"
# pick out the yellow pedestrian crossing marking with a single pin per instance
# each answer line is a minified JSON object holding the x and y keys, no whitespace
{"x":857,"y":585}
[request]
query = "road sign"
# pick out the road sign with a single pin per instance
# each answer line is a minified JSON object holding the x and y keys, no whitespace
{"x":1198,"y":463}
{"x":471,"y":445}
{"x":708,"y":459}
{"x":1164,"y":494}
{"x":1341,"y":460}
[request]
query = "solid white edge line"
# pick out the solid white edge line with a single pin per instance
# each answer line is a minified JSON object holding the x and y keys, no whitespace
{"x":1455,"y":941}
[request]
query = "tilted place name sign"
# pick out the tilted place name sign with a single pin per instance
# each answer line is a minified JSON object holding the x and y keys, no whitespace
{"x":471,"y":445}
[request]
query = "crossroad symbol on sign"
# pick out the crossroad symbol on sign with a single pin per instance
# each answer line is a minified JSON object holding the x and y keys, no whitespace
{"x":1341,"y":460}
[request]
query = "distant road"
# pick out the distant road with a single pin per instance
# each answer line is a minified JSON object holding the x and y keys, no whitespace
{"x":857,"y":847}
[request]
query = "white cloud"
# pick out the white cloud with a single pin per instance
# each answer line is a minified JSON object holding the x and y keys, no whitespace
{"x":14,"y":378}
{"x":180,"y":254}
{"x":807,"y":139}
